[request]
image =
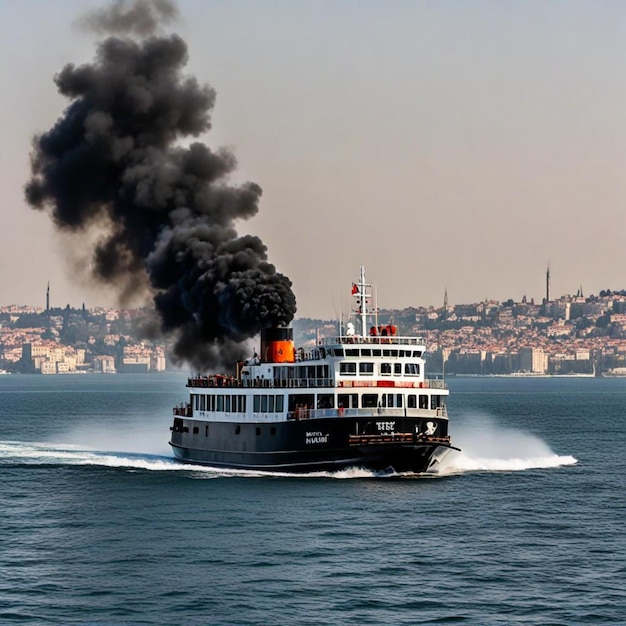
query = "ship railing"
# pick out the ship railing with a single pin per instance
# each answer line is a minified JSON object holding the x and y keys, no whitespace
{"x":376,"y":412}
{"x":183,"y":410}
{"x":390,"y":383}
{"x":273,"y":383}
{"x":372,"y":340}
{"x":289,"y":383}
{"x":213,"y":381}
{"x":435,"y":383}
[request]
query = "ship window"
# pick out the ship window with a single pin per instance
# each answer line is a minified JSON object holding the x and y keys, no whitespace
{"x":352,"y":352}
{"x":206,"y":430}
{"x":338,"y":351}
{"x":212,"y":403}
{"x":366,"y":352}
{"x":281,"y":371}
{"x":385,"y":369}
{"x":411,"y":369}
{"x":270,"y":403}
{"x":417,"y":353}
{"x":203,"y":403}
{"x":376,"y":352}
{"x":273,"y":428}
{"x":257,"y":403}
{"x":369,"y":400}
{"x":366,"y":369}
{"x":227,"y":404}
{"x":197,"y":402}
{"x":388,"y":400}
{"x":397,"y":368}
{"x":237,"y":429}
{"x":242,"y":404}
{"x":325,"y":401}
{"x":196,"y":430}
{"x":435,"y":401}
{"x":280,"y":404}
{"x":322,"y":371}
{"x":399,"y":400}
{"x":411,"y":401}
{"x":347,"y":368}
{"x":348,"y":400}
{"x":258,"y":430}
{"x":423,"y":402}
{"x":387,"y":353}
{"x":219,"y":404}
{"x":263,"y":404}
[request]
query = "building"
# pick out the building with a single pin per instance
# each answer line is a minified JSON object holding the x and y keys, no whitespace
{"x":533,"y":360}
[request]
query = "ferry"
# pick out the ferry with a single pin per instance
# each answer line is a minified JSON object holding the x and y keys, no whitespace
{"x":359,"y":399}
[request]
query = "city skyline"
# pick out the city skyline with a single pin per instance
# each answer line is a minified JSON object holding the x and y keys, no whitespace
{"x":444,"y":304}
{"x":445,"y":146}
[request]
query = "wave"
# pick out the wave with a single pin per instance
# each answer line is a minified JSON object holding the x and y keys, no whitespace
{"x":43,"y":453}
{"x":39,"y":453}
{"x":486,"y":447}
{"x":461,"y":463}
{"x":489,"y":447}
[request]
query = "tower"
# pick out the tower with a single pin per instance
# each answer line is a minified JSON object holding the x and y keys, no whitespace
{"x":48,"y":297}
{"x":548,"y":284}
{"x":445,"y":304}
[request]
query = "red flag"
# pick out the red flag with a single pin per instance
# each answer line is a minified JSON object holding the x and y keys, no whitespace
{"x":355,"y":289}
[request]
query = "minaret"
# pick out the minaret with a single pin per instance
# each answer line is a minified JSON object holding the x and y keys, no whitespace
{"x":445,"y":304}
{"x":48,"y":297}
{"x":548,"y":285}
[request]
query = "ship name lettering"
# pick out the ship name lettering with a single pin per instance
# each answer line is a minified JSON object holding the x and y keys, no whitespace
{"x":315,"y":437}
{"x":386,"y":426}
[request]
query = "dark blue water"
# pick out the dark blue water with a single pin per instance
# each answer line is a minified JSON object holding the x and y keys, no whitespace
{"x":98,"y":525}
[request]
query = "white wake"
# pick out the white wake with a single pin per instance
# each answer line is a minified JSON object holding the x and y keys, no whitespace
{"x":485,"y":447}
{"x":489,"y":447}
{"x":44,"y":453}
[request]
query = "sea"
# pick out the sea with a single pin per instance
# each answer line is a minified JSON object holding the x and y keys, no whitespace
{"x":100,"y":526}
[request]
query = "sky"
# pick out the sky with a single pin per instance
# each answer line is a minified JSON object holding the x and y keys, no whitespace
{"x":459,"y":145}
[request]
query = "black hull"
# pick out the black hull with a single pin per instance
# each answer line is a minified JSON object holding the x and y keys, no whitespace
{"x":312,"y":445}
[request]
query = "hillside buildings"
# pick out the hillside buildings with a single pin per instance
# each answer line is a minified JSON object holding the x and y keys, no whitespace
{"x":568,"y":335}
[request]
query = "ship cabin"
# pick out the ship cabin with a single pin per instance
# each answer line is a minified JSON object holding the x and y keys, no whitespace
{"x":375,"y":374}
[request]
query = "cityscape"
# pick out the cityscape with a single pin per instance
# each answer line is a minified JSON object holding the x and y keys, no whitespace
{"x":568,"y":335}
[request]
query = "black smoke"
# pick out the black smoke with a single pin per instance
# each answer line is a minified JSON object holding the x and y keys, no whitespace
{"x":141,"y":17}
{"x":113,"y":162}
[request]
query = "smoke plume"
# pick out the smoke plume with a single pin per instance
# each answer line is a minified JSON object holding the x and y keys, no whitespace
{"x":113,"y":162}
{"x":142,"y":17}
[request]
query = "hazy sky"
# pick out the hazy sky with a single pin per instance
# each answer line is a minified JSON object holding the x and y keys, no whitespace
{"x":459,"y":144}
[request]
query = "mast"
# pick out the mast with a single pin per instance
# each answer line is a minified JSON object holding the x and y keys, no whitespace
{"x":361,"y":291}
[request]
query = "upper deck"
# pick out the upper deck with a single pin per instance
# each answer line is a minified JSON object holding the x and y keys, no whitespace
{"x":372,"y":340}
